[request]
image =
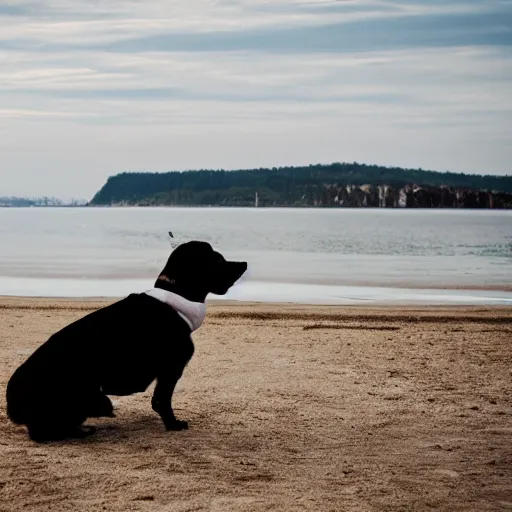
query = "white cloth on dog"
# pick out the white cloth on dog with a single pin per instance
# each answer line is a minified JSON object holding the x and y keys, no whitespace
{"x":192,"y":312}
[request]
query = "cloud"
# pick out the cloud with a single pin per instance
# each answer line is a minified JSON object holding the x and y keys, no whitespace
{"x":416,"y":83}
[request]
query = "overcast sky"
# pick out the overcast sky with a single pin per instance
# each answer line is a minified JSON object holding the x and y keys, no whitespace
{"x":91,"y":88}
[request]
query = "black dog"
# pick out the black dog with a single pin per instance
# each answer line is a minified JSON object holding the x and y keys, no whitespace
{"x":120,"y":350}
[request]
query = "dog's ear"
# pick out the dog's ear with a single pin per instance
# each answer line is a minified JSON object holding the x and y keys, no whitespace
{"x":185,"y":260}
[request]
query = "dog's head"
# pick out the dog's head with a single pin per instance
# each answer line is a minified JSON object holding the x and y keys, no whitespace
{"x":196,"y":267}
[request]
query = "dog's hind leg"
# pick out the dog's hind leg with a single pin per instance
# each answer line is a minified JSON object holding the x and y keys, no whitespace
{"x":44,"y":432}
{"x":100,"y":406}
{"x":59,"y":417}
{"x":58,"y":424}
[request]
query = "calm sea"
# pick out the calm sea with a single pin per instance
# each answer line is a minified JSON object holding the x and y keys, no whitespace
{"x":299,"y":255}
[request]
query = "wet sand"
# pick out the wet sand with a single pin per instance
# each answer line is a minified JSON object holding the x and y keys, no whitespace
{"x":290,"y":408}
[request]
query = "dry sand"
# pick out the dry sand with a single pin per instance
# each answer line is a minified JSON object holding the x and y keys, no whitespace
{"x":290,"y":408}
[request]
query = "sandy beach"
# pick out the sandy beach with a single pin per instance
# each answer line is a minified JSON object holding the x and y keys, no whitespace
{"x":290,"y":408}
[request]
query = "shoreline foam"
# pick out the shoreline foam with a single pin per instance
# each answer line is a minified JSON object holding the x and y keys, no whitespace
{"x":266,"y":292}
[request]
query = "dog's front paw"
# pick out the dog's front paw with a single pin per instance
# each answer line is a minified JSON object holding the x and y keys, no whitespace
{"x":176,"y":425}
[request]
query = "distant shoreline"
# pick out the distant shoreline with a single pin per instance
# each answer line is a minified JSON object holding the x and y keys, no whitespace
{"x":233,"y":207}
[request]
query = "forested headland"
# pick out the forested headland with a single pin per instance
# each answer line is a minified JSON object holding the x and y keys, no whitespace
{"x":334,"y":185}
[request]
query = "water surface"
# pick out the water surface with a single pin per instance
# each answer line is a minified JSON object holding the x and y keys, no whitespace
{"x":327,"y":254}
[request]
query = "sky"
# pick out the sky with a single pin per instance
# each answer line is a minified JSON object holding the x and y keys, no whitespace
{"x":91,"y":88}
